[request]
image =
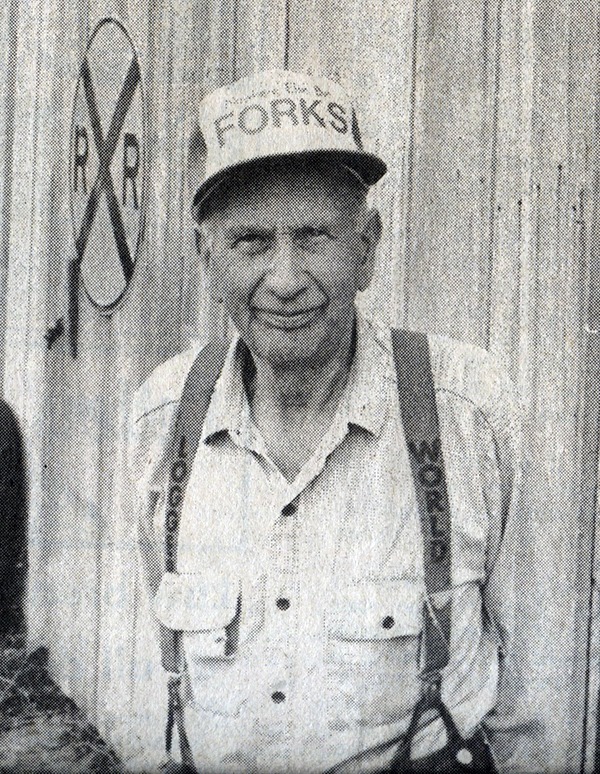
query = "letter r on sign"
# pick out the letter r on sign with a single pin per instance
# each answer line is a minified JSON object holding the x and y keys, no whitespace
{"x":131,"y":166}
{"x":81,"y":157}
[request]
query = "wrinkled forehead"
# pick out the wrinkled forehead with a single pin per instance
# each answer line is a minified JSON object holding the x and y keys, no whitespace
{"x":285,"y":184}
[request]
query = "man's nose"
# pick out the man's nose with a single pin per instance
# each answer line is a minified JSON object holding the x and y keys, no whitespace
{"x":285,"y":277}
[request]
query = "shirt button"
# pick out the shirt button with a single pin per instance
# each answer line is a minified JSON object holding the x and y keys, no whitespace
{"x":464,"y":756}
{"x":289,"y":509}
{"x":388,"y":622}
{"x":278,"y":697}
{"x":283,"y":603}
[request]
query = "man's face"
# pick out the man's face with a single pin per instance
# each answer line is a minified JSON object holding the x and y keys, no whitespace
{"x":287,"y":251}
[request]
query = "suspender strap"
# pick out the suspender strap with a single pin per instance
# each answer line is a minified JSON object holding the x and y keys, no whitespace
{"x":175,"y":717}
{"x":421,"y":426}
{"x":195,"y":400}
{"x":194,"y":403}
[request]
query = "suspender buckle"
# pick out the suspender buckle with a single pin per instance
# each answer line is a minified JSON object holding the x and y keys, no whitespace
{"x":431,"y":687}
{"x":431,"y":679}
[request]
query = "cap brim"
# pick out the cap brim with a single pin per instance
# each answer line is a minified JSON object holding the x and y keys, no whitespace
{"x":369,"y":168}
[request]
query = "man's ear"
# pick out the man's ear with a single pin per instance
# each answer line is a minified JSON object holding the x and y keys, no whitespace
{"x":370,"y":234}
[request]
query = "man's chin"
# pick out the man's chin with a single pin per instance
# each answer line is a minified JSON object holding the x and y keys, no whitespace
{"x":288,"y":350}
{"x":289,"y":359}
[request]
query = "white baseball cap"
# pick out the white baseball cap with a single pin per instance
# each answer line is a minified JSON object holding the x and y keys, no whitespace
{"x":276,"y":114}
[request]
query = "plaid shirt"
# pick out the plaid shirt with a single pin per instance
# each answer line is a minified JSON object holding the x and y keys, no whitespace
{"x":301,"y":602}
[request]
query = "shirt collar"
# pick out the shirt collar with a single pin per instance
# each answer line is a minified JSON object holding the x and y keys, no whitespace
{"x":229,"y":404}
{"x":365,"y":399}
{"x":364,"y":402}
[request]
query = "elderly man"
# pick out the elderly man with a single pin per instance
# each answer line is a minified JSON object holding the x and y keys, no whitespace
{"x":329,"y":507}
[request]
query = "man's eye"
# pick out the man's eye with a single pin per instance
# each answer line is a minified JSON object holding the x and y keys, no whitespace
{"x":314,"y":236}
{"x":250,"y":241}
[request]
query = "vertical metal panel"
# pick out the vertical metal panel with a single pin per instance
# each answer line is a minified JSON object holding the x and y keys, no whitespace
{"x":261,"y":36}
{"x":486,"y":114}
{"x":448,"y":258}
{"x":8,"y":42}
{"x":74,"y":418}
{"x":562,"y":64}
{"x":584,"y":114}
{"x":30,"y":223}
{"x":510,"y":208}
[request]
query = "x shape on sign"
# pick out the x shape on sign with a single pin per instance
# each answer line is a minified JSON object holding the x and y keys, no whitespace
{"x":105,"y":147}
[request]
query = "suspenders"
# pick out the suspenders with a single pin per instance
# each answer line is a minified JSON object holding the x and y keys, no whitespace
{"x":416,"y":393}
{"x":195,"y":400}
{"x":418,"y":408}
{"x":420,"y":420}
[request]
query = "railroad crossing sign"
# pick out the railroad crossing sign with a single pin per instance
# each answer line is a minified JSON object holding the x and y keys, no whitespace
{"x":107,"y":180}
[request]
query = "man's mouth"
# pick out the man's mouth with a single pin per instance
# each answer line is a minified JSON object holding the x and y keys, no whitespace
{"x":287,"y":320}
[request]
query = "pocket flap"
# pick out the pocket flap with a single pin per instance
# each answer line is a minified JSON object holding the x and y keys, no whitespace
{"x":376,"y":610}
{"x":193,"y":602}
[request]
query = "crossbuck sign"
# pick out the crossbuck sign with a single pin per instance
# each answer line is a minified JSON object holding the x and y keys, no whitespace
{"x":106,"y":173}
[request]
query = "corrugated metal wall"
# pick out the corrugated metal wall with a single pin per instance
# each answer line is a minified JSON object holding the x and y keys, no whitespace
{"x":487,"y":113}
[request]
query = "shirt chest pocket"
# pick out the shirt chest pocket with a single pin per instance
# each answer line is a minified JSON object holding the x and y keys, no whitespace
{"x":217,"y":613}
{"x":375,"y":610}
{"x":215,"y":621}
{"x":205,"y":609}
{"x":373,"y":630}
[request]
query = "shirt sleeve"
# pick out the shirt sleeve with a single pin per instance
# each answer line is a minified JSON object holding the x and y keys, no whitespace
{"x":152,"y":417}
{"x":148,"y":438}
{"x":515,"y":727}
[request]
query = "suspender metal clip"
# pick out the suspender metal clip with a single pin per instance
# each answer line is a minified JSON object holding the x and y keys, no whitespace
{"x":432,"y":680}
{"x":431,"y":687}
